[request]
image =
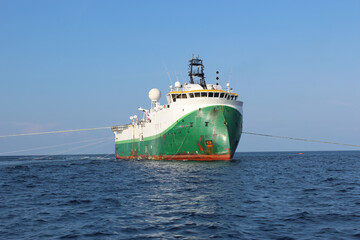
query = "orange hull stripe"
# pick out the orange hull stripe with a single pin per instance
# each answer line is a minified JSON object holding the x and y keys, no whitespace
{"x":192,"y":157}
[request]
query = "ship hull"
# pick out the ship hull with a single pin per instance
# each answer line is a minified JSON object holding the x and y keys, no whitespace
{"x":209,"y":133}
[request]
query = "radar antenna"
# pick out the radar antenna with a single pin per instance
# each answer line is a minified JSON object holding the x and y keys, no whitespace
{"x":196,"y":70}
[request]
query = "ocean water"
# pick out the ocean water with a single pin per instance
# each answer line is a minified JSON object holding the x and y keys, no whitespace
{"x":277,"y":195}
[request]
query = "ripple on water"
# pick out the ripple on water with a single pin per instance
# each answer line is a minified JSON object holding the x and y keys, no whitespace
{"x":255,"y":196}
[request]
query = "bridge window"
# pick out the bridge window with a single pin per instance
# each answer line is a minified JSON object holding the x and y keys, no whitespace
{"x":179,"y":96}
{"x":204,"y":94}
{"x":191,"y":95}
{"x":221,"y":95}
{"x":216,"y":94}
{"x":197,"y":94}
{"x":211,"y":94}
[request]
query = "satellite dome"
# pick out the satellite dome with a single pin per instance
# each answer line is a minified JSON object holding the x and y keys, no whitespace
{"x":154,"y":94}
{"x":177,"y":84}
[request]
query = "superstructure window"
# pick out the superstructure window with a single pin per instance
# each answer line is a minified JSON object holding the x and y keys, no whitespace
{"x":232,"y":97}
{"x":204,"y":94}
{"x":197,"y":94}
{"x":173,"y":96}
{"x":216,"y":94}
{"x":221,"y":95}
{"x":191,"y":95}
{"x":211,"y":94}
{"x":183,"y":95}
{"x":235,"y":98}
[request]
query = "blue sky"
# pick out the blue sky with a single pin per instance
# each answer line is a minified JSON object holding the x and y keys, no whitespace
{"x":82,"y":64}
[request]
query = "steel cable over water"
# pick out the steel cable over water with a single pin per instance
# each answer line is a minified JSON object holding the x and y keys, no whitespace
{"x":300,"y":139}
{"x":60,"y":131}
{"x":78,"y":147}
{"x":52,"y":146}
{"x":249,"y":133}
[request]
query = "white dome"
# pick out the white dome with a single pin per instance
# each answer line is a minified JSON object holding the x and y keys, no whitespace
{"x":154,"y":94}
{"x":177,"y":84}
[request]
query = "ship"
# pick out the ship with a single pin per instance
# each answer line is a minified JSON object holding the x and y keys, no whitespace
{"x":200,"y":121}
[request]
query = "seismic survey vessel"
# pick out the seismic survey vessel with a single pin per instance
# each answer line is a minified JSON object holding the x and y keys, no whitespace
{"x":199,"y":122}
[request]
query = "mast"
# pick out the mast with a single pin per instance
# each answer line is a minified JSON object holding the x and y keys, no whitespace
{"x":196,"y":70}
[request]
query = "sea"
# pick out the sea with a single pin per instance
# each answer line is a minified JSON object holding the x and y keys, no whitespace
{"x":262,"y":195}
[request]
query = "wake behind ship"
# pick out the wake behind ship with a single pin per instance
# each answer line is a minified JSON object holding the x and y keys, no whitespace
{"x":199,"y":122}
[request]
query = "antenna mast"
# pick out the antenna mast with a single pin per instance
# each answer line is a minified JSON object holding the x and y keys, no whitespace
{"x":196,"y":70}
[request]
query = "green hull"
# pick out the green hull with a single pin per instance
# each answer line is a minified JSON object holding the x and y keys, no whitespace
{"x":210,"y":133}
